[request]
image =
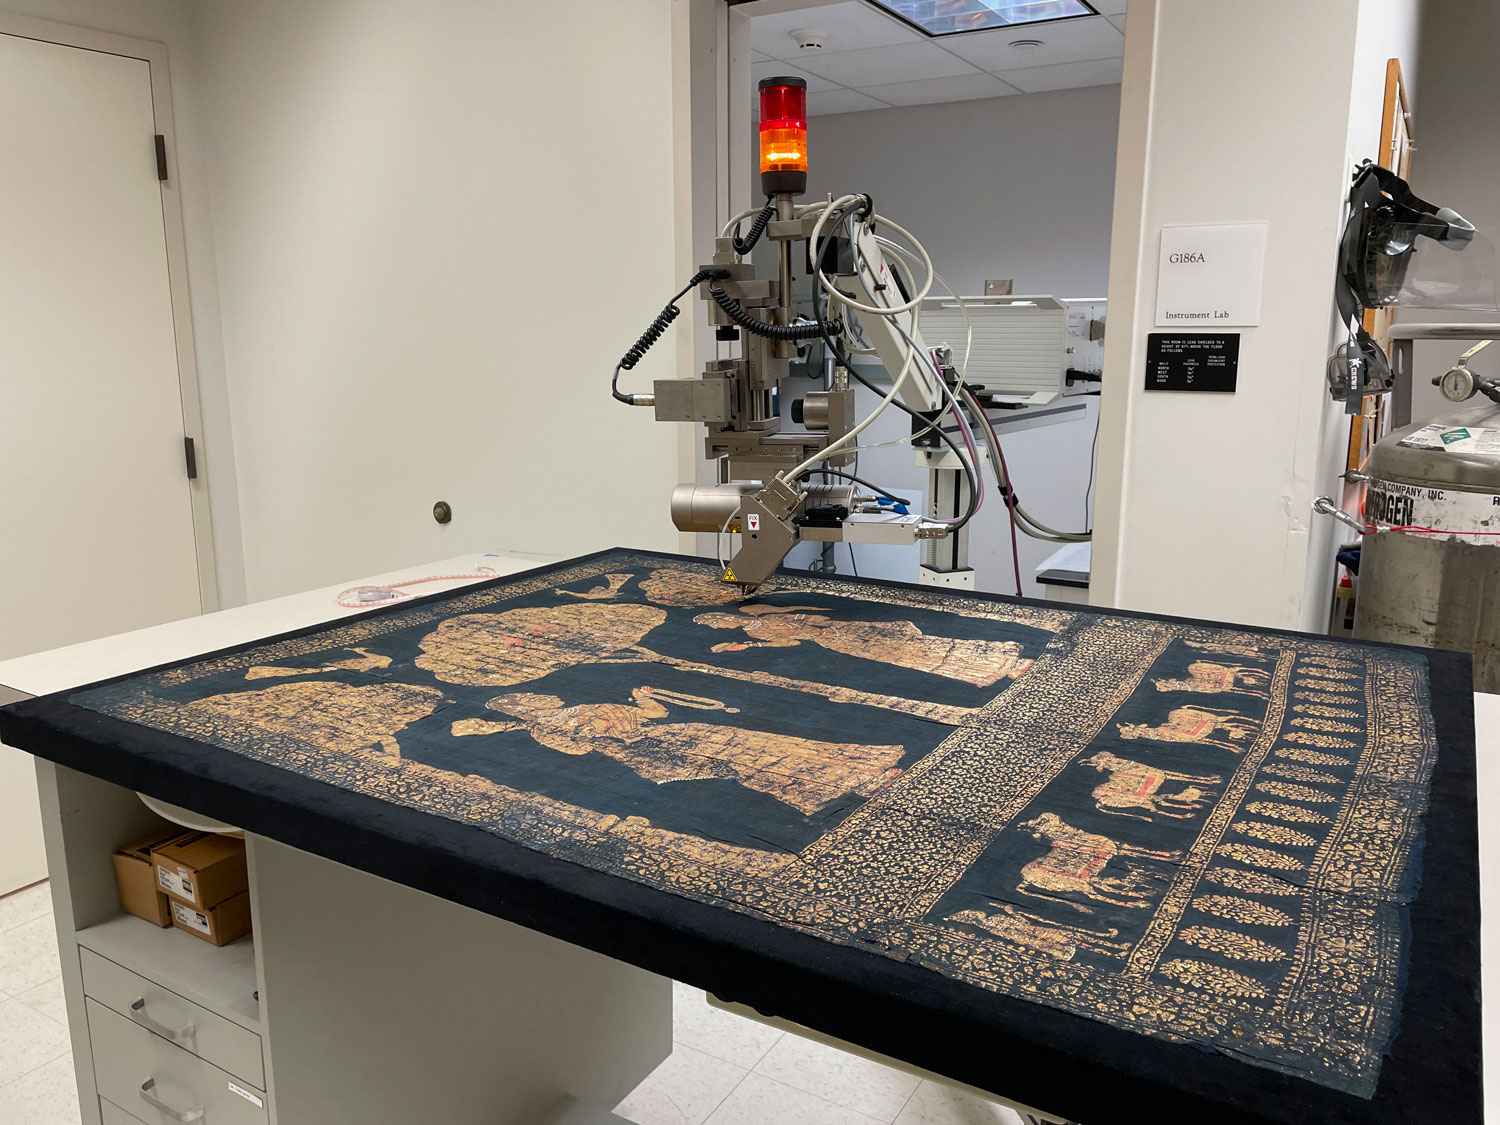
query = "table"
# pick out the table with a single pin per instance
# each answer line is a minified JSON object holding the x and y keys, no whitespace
{"x":561,"y":882}
{"x":369,"y":1000}
{"x":1065,"y":573}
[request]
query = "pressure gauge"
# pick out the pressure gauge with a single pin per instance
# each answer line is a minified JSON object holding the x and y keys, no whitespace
{"x":1457,"y":383}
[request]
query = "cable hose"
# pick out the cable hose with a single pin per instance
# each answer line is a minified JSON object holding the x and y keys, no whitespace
{"x":757,"y":228}
{"x":737,"y":313}
{"x":664,"y":319}
{"x":652,"y":334}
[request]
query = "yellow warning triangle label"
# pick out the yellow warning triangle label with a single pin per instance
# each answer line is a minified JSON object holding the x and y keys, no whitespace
{"x":729,"y":575}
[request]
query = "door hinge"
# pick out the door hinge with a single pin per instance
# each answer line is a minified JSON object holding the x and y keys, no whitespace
{"x":191,"y":450}
{"x":161,"y":157}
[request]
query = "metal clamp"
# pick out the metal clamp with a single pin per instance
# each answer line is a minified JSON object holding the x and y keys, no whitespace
{"x":162,"y":1107}
{"x":175,"y":1034}
{"x":1325,"y":506}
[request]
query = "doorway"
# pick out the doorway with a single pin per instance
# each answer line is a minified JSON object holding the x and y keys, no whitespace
{"x":103,"y":515}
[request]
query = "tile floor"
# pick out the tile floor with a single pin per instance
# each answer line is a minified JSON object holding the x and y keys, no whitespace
{"x":723,"y":1070}
{"x":36,"y":1057}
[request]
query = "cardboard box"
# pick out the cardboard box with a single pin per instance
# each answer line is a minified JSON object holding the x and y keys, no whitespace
{"x":217,"y":925}
{"x":201,"y":869}
{"x":136,"y":875}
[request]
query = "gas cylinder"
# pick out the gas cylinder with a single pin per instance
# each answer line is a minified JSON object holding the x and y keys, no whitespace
{"x":1436,"y":584}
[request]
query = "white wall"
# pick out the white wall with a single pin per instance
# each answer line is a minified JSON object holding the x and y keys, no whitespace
{"x":1457,"y":161}
{"x":437,"y":227}
{"x":1018,"y":187}
{"x":169,"y":22}
{"x":1204,"y":500}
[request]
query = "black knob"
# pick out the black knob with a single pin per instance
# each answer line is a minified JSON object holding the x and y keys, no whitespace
{"x":797,"y":411}
{"x":442,"y":512}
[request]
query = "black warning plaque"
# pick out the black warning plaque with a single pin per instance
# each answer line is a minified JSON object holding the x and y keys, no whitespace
{"x":1199,"y":362}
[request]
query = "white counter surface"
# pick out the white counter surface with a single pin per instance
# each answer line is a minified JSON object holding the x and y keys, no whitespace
{"x":70,"y":667}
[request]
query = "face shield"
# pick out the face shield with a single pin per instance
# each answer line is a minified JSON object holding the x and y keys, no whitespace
{"x":1432,"y":274}
{"x":1398,"y":249}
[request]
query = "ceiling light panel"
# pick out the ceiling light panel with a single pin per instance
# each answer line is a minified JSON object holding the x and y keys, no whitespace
{"x":953,"y":17}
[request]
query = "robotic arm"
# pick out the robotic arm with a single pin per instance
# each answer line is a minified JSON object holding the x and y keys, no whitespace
{"x":765,"y":494}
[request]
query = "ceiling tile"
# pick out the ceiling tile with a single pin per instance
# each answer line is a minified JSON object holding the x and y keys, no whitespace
{"x":1066,"y":76}
{"x":1118,"y":21}
{"x":1063,"y":41}
{"x":1108,"y":7}
{"x":883,"y":65}
{"x":756,"y":56}
{"x":840,"y":101}
{"x":966,"y":87}
{"x":851,"y":26}
{"x":773,"y":69}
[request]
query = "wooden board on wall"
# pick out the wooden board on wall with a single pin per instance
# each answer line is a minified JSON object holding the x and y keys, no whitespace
{"x":1369,"y":425}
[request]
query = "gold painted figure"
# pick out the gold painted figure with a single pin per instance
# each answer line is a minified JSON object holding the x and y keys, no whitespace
{"x":801,"y":772}
{"x":332,"y":715}
{"x":611,"y":587}
{"x":1197,"y":725}
{"x":901,"y":643}
{"x":1210,"y":676}
{"x":1247,"y":651}
{"x":1075,"y":863}
{"x":520,"y":645}
{"x":1035,"y":933}
{"x":689,"y":588}
{"x":1135,"y":785}
{"x":366,"y":661}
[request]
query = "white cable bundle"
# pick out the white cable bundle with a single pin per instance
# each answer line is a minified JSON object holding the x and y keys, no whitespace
{"x":836,"y":296}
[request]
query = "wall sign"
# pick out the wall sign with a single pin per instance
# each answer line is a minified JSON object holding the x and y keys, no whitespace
{"x":1211,"y":275}
{"x":1198,"y":362}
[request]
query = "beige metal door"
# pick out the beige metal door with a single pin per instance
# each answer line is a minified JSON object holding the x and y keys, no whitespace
{"x":96,"y":513}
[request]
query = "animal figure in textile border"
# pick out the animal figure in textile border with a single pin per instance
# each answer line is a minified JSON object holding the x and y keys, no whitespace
{"x":1135,"y":785}
{"x":1198,"y":725}
{"x":1040,"y":935}
{"x":1076,"y":861}
{"x":1211,"y":677}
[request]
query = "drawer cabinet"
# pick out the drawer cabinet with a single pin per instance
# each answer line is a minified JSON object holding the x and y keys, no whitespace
{"x":161,"y":1011}
{"x":162,"y":1083}
{"x":114,"y":1115}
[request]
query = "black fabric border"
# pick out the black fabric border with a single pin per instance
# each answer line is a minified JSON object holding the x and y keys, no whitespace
{"x":1065,"y":1064}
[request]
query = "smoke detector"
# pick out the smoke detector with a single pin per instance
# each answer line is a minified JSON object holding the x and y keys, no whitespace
{"x":809,"y":40}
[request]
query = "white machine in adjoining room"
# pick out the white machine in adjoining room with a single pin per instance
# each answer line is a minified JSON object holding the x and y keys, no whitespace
{"x":1019,"y":353}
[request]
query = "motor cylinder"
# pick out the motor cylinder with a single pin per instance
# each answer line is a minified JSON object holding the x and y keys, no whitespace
{"x":709,"y":507}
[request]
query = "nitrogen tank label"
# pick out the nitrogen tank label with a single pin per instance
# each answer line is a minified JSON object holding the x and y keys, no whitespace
{"x":1469,"y":517}
{"x":1454,"y":439}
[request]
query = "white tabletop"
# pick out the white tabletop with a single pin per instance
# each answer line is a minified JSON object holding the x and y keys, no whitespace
{"x":84,"y":663}
{"x":70,"y":667}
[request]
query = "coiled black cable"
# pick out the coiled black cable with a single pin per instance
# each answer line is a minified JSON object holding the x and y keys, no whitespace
{"x":652,"y":334}
{"x":655,"y":331}
{"x":757,"y":228}
{"x":741,"y":316}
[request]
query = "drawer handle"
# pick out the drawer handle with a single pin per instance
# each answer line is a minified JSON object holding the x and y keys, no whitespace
{"x":175,"y":1034}
{"x":156,"y":1103}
